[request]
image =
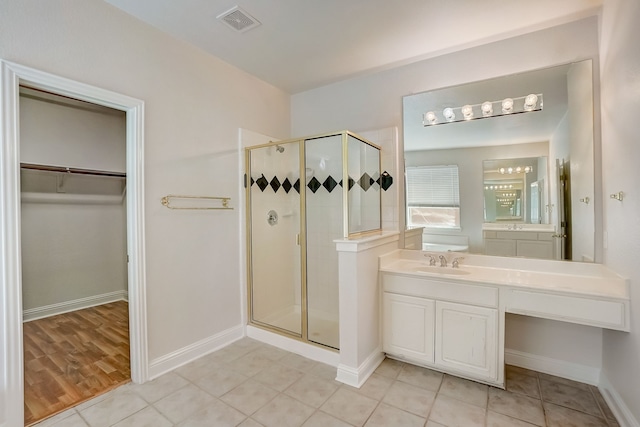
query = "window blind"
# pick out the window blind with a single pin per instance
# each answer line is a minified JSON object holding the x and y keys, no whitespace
{"x":433,"y":186}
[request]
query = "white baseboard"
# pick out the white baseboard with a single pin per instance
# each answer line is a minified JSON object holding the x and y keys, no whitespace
{"x":619,"y":408}
{"x":356,"y":377}
{"x":180,"y":357}
{"x":77,"y":304}
{"x":559,"y":368}
{"x":309,"y":351}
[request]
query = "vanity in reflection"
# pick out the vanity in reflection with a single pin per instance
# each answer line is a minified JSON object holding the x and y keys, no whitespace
{"x":517,"y":209}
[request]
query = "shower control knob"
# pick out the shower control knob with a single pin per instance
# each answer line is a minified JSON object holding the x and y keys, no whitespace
{"x":272,"y":217}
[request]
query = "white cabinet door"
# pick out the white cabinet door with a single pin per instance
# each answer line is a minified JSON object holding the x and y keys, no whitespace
{"x":535,"y":249}
{"x":466,"y":339}
{"x":500,"y":247}
{"x":408,"y":326}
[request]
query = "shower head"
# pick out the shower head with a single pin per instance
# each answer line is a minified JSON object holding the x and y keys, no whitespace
{"x":279,"y":149}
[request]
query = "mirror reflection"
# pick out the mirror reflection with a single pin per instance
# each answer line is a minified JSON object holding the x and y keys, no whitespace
{"x":531,"y":211}
{"x":515,"y":190}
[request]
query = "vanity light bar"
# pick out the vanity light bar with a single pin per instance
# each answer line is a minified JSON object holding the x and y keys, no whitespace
{"x":522,"y":104}
{"x":517,"y":169}
{"x":498,"y":187}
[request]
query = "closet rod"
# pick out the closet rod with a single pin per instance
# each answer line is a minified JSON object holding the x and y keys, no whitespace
{"x":34,"y":166}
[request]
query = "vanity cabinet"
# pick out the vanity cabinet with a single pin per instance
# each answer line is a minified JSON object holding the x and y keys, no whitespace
{"x":453,"y":320}
{"x":530,"y":244}
{"x":408,"y":326}
{"x":448,"y":326}
{"x":467,"y":339}
{"x":499,"y":247}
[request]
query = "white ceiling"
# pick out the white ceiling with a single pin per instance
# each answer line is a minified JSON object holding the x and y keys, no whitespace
{"x":304,"y":44}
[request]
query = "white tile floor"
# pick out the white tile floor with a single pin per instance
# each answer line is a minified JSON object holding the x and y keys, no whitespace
{"x":250,"y":384}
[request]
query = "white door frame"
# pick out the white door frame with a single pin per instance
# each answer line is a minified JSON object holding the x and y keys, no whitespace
{"x":11,"y":346}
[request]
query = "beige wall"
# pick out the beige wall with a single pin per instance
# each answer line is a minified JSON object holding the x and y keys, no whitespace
{"x":194,"y":106}
{"x":620,"y":92}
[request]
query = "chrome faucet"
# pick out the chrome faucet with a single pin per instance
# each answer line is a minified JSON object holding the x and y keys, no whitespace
{"x":432,"y":260}
{"x":456,"y":262}
{"x":443,"y":261}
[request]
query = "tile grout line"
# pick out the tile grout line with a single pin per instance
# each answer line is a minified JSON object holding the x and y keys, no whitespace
{"x":486,"y":408}
{"x":544,"y":410}
{"x":325,"y":401}
{"x":435,"y":398}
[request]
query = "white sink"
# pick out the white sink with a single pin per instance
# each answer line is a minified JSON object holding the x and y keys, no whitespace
{"x":415,"y":266}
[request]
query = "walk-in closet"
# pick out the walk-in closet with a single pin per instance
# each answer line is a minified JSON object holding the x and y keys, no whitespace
{"x":73,"y":250}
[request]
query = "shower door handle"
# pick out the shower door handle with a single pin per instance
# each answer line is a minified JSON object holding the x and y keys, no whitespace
{"x":298,"y":239}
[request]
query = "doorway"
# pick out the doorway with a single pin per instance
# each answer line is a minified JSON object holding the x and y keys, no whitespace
{"x":73,"y":256}
{"x":11,"y":343}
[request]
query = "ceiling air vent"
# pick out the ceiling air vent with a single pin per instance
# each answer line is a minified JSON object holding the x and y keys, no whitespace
{"x":238,"y":19}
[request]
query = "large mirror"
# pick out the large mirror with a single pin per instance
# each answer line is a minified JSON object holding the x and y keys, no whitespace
{"x":525,"y":175}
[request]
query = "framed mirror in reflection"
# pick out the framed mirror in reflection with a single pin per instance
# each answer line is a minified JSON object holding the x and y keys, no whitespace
{"x":524,"y":176}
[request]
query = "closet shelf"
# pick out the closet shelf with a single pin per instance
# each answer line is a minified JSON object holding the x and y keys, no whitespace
{"x":72,"y":199}
{"x":65,"y":169}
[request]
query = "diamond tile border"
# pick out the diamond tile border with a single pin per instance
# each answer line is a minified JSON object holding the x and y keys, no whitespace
{"x":365,"y":182}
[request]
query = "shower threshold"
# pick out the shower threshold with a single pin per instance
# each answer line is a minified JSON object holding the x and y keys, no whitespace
{"x":323,"y":327}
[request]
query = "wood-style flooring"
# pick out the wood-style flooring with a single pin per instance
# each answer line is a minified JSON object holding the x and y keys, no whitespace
{"x":72,"y":357}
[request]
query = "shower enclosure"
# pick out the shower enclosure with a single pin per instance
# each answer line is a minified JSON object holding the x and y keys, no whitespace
{"x":302,"y":194}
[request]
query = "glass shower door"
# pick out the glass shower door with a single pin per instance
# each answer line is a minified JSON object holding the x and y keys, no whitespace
{"x":274,"y":237}
{"x":324,"y":223}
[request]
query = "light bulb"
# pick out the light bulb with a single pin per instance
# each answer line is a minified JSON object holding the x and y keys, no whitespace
{"x":449,"y":114}
{"x":530,"y":102}
{"x":518,"y":169}
{"x":507,"y":106}
{"x":467,"y":112}
{"x":502,"y":170}
{"x":510,"y":170}
{"x":431,"y":118}
{"x":487,"y":109}
{"x":528,"y":169}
